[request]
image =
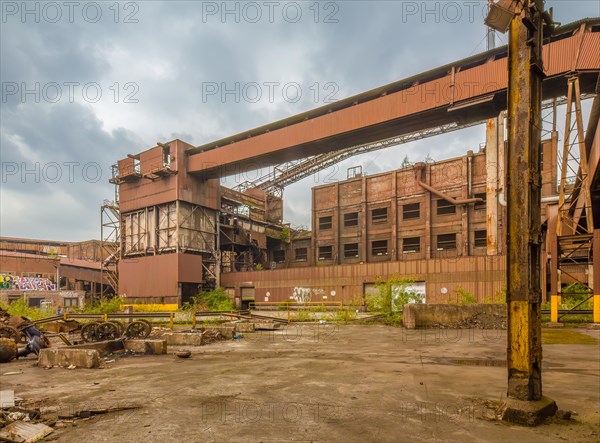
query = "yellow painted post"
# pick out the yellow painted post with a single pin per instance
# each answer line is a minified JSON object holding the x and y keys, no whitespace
{"x":596,"y":308}
{"x":194,"y":320}
{"x":554,"y":302}
{"x":289,"y":315}
{"x":171,"y":319}
{"x":65,"y":316}
{"x":105,"y":317}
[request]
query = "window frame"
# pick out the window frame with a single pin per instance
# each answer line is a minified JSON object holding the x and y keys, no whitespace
{"x":347,"y":250}
{"x":438,"y":241}
{"x":302,"y":258}
{"x":482,"y":241}
{"x":411,"y":211}
{"x":277,"y":252}
{"x":411,"y":251}
{"x":447,"y":209}
{"x":325,"y":226}
{"x":380,"y":254}
{"x":347,"y":219}
{"x":320,"y":252}
{"x":379,"y":218}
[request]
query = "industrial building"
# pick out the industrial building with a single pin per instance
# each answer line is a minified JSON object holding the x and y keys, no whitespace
{"x":444,"y":223}
{"x":51,"y":273}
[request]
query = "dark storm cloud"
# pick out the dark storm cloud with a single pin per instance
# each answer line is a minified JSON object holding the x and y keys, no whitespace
{"x":164,"y":54}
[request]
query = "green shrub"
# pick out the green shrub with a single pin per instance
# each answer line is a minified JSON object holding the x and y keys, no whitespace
{"x":391,"y":296}
{"x":303,"y":315}
{"x":464,"y":297}
{"x":215,"y":300}
{"x":20,"y":308}
{"x":103,"y":306}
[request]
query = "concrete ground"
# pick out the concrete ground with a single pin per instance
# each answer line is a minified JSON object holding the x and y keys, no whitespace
{"x":317,"y":383}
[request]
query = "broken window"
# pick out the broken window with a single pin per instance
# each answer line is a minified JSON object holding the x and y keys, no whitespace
{"x":445,"y":207}
{"x":279,"y":256}
{"x":71,"y":302}
{"x":379,"y":247}
{"x":301,"y":254}
{"x":411,"y":211}
{"x":350,"y":250}
{"x":350,"y":219}
{"x":166,"y":154}
{"x":446,"y":241}
{"x":480,"y":205}
{"x":411,"y":244}
{"x":325,"y":252}
{"x":325,"y":222}
{"x":480,"y":239}
{"x":379,"y":215}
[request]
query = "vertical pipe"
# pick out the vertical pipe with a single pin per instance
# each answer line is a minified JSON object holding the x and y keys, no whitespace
{"x":492,"y":166}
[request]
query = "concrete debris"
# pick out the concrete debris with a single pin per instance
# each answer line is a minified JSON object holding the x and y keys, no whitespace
{"x":19,"y":424}
{"x":22,"y":432}
{"x":7,"y":399}
{"x":480,"y":320}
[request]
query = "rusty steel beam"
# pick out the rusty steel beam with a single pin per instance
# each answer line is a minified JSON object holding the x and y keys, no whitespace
{"x":466,"y":91}
{"x":526,"y":70}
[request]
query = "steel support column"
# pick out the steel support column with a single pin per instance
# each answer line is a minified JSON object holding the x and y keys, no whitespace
{"x":596,"y":276}
{"x":524,"y":202}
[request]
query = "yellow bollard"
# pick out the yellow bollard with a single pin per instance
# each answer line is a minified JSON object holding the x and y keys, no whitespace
{"x":65,"y":316}
{"x":105,"y":317}
{"x":289,"y":316}
{"x":194,"y":320}
{"x":554,"y":302}
{"x":596,"y":308}
{"x":171,"y":318}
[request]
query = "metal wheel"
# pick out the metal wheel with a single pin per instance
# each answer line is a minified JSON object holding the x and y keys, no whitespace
{"x":88,"y":332}
{"x":107,"y":331}
{"x":120,"y":326}
{"x":138,"y":329}
{"x":10,"y":333}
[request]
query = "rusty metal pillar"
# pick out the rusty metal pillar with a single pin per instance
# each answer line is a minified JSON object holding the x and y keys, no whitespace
{"x":524,"y":214}
{"x":596,"y":276}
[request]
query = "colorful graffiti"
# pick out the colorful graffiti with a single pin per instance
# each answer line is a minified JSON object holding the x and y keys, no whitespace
{"x":26,"y":283}
{"x":6,"y":281}
{"x":304,"y":295}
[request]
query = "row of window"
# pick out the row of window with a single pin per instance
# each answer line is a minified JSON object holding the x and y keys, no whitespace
{"x":409,"y":212}
{"x":380,"y":247}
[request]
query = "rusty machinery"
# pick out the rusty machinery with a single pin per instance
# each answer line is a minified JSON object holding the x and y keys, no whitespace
{"x":12,"y":327}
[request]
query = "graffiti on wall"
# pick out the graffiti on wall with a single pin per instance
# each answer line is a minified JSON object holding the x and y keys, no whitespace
{"x":304,"y":295}
{"x":6,"y":281}
{"x":26,"y":283}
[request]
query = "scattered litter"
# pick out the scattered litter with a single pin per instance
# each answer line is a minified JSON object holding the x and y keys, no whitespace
{"x":109,"y":361}
{"x":22,"y":432}
{"x":71,"y":367}
{"x":13,"y":373}
{"x":182,"y":353}
{"x":89,"y":412}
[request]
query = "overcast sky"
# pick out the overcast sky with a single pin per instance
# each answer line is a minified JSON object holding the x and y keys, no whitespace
{"x":84,"y":84}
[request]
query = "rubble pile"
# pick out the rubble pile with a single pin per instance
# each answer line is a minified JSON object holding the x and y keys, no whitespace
{"x":22,"y":422}
{"x":478,"y":321}
{"x":212,"y":335}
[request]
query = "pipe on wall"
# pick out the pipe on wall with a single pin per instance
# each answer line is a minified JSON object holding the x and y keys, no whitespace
{"x":454,"y":201}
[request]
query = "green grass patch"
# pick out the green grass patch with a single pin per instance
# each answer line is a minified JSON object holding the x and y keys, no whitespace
{"x":566,"y":337}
